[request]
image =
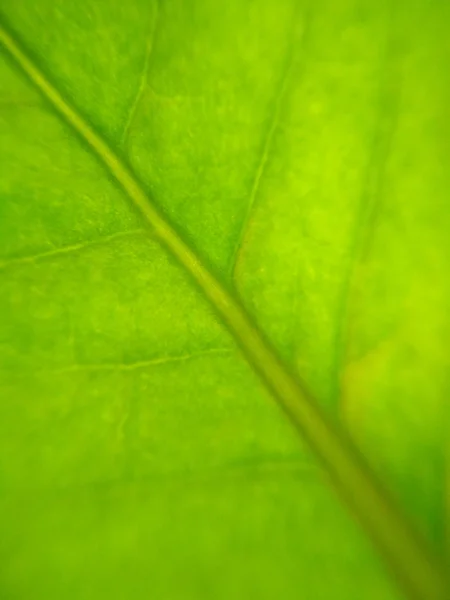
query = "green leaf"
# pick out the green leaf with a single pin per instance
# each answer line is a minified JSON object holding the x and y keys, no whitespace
{"x":206,"y":207}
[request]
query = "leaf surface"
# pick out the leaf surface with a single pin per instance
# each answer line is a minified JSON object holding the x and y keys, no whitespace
{"x":301,"y":152}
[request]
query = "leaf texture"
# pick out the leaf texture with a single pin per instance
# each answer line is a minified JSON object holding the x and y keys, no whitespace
{"x":282,"y":154}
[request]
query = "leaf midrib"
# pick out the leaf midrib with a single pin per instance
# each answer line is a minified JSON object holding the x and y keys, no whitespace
{"x":419,"y":572}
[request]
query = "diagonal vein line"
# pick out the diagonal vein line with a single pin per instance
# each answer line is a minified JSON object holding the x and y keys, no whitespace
{"x":144,"y":76}
{"x":62,"y":251}
{"x":406,"y":553}
{"x":274,"y":120}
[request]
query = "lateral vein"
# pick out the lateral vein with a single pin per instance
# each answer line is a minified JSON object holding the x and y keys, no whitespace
{"x":368,"y":206}
{"x":132,"y":366}
{"x":64,"y":250}
{"x":274,"y":119}
{"x":143,"y":79}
